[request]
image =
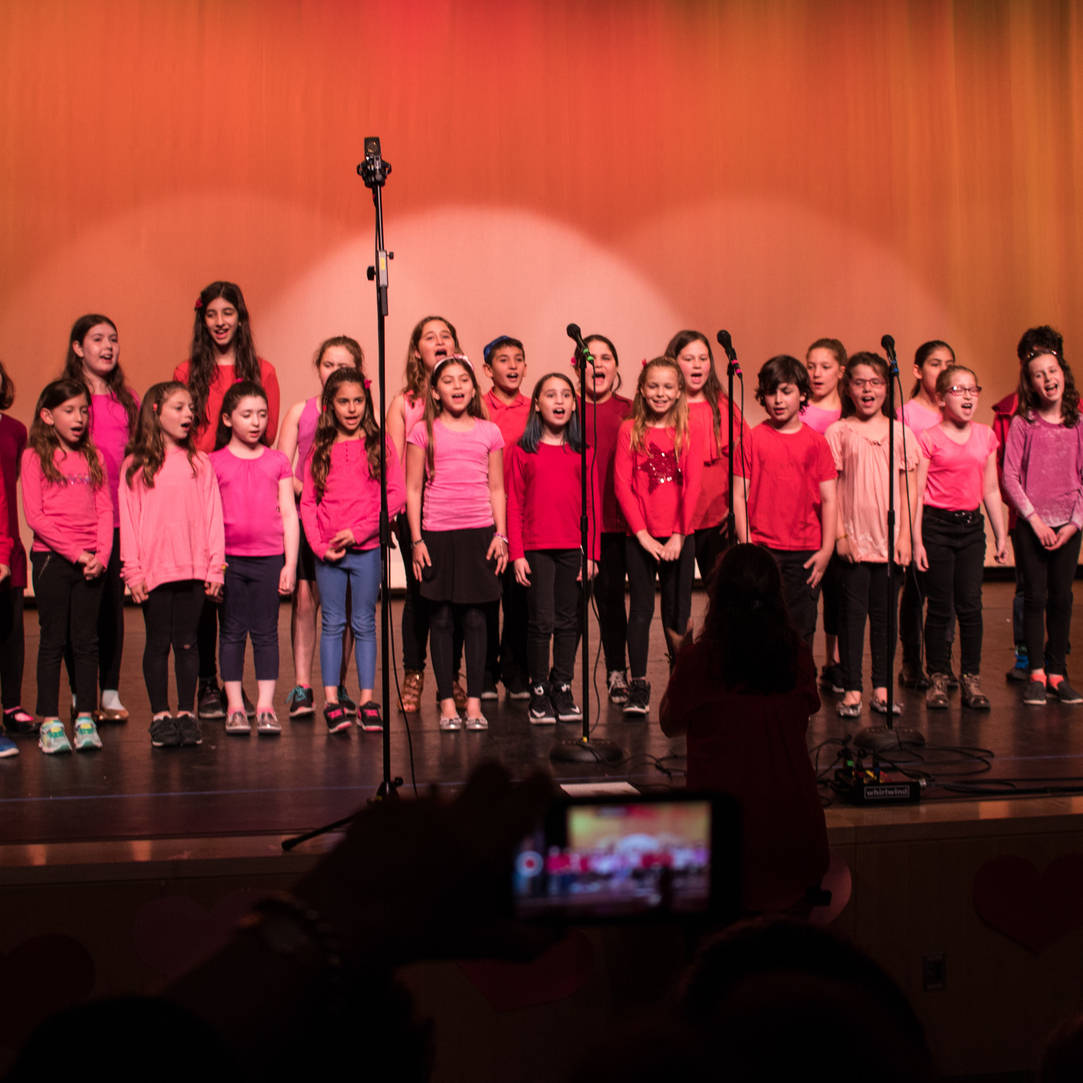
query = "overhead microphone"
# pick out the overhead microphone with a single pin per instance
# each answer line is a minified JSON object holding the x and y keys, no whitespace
{"x":726,"y":342}
{"x":576,"y":335}
{"x":888,"y":344}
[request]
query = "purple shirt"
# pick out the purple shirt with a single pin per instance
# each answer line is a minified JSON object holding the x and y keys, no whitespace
{"x":12,"y":442}
{"x":1043,"y":470}
{"x":250,"y":508}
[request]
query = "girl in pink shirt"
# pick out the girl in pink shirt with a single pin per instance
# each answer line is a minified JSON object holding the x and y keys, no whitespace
{"x":544,"y":484}
{"x":957,"y":473}
{"x":825,"y":360}
{"x":657,"y":481}
{"x":94,"y":357}
{"x":859,"y":446}
{"x":459,"y":545}
{"x":432,"y":339}
{"x":295,"y":442}
{"x":260,"y":518}
{"x":603,"y":412}
{"x":172,"y":548}
{"x":222,"y":353}
{"x":921,"y":412}
{"x":67,"y":506}
{"x":17,"y":721}
{"x":340,"y":508}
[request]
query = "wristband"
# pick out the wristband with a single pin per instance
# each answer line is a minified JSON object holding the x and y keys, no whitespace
{"x":415,"y":544}
{"x":502,"y":537}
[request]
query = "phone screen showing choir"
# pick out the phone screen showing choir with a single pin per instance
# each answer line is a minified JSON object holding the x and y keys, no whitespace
{"x":618,"y":859}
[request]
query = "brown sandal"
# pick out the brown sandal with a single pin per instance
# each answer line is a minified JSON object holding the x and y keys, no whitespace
{"x":411,"y":691}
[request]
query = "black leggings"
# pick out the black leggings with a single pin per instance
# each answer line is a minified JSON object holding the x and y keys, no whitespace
{"x":68,"y":614}
{"x":674,"y":581}
{"x":171,"y":614}
{"x":1047,"y":596}
{"x":250,"y":607}
{"x":12,"y":645}
{"x":553,"y":601}
{"x":609,"y":597}
{"x":443,"y":617}
{"x":955,"y":548}
{"x":415,"y":608}
{"x":110,"y":627}
{"x":864,"y":587}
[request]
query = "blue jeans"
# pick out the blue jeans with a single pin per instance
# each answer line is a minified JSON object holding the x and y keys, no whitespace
{"x":361,"y":570}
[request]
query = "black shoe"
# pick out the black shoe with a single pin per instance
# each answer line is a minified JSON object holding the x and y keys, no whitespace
{"x":831,"y":678}
{"x":190,"y":733}
{"x":567,"y":710}
{"x":953,"y":680}
{"x":488,"y":687}
{"x":639,"y":696}
{"x":541,"y":711}
{"x":20,"y":723}
{"x":338,"y":721}
{"x":210,"y":701}
{"x":1020,"y":671}
{"x":164,"y":732}
{"x":368,"y":717}
{"x":911,"y":676}
{"x":345,"y":702}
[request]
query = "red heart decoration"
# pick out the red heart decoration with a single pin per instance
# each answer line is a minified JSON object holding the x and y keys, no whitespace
{"x":1034,"y":909}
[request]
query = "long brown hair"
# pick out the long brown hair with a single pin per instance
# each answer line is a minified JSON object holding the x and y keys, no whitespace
{"x":641,"y":413}
{"x":875,"y":362}
{"x":73,"y":367}
{"x":433,"y":407}
{"x":44,"y":440}
{"x":147,"y":449}
{"x":327,"y":429}
{"x":417,"y":376}
{"x":712,"y":388}
{"x":203,"y":358}
{"x":1027,"y":401}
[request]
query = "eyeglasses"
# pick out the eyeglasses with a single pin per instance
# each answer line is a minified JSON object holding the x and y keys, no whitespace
{"x":968,"y":392}
{"x":875,"y":383}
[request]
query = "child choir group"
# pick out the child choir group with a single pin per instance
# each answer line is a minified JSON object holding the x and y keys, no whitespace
{"x":181,"y":499}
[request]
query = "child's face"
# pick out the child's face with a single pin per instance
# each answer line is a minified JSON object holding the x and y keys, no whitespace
{"x":334,"y":357}
{"x":602,"y":375}
{"x":868,"y":389}
{"x":783,"y":404}
{"x":933,"y":365}
{"x":695,"y":362}
{"x":221,"y":320}
{"x":1046,"y":379}
{"x":436,"y":341}
{"x":556,"y":404}
{"x":248,"y":420}
{"x":99,"y":350}
{"x":454,"y":389}
{"x":823,"y":372}
{"x":959,"y":404}
{"x":661,"y":390}
{"x":349,"y":406}
{"x":175,"y":416}
{"x":506,"y":367}
{"x":69,"y":419}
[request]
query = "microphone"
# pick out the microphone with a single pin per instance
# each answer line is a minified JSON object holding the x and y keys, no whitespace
{"x":576,"y":335}
{"x":726,"y":343}
{"x":888,"y":345}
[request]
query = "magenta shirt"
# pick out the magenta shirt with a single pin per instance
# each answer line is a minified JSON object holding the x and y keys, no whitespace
{"x":109,"y":431}
{"x":918,"y":418}
{"x":306,"y":433}
{"x":956,"y":471}
{"x":457,"y":495}
{"x":818,"y":419}
{"x":250,"y":508}
{"x":1043,"y":470}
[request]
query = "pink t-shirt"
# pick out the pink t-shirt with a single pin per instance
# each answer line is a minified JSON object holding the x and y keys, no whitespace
{"x":109,"y":430}
{"x":956,"y":471}
{"x":70,"y":516}
{"x":818,"y":419}
{"x":600,"y":426}
{"x":918,"y":417}
{"x":12,"y":442}
{"x":861,"y":461}
{"x":457,"y":496}
{"x":250,"y":508}
{"x":785,"y":470}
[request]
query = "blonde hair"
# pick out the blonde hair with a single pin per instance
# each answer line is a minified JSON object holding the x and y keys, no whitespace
{"x":641,"y":413}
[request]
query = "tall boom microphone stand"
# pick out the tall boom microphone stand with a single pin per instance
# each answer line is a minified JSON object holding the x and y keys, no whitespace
{"x":732,"y":369}
{"x":882,"y":738}
{"x":583,"y":749}
{"x":374,"y":172}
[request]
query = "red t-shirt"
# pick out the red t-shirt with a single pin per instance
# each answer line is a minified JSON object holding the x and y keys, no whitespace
{"x":510,"y":420}
{"x":784,"y":471}
{"x":601,"y":422}
{"x":712,"y":505}
{"x":224,"y":378}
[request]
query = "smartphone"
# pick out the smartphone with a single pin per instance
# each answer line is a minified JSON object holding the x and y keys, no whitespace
{"x":631,"y":858}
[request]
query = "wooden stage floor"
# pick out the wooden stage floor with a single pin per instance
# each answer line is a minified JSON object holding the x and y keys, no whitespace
{"x":251,"y":785}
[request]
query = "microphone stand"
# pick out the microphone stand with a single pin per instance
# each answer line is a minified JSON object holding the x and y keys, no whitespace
{"x":374,"y":172}
{"x":732,"y":369}
{"x":583,"y":749}
{"x":882,"y":738}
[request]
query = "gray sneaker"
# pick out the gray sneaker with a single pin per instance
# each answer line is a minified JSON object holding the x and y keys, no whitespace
{"x":618,"y":686}
{"x":237,"y":724}
{"x":267,"y":724}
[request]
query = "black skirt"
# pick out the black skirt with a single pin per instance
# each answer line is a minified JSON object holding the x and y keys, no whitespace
{"x":459,"y":572}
